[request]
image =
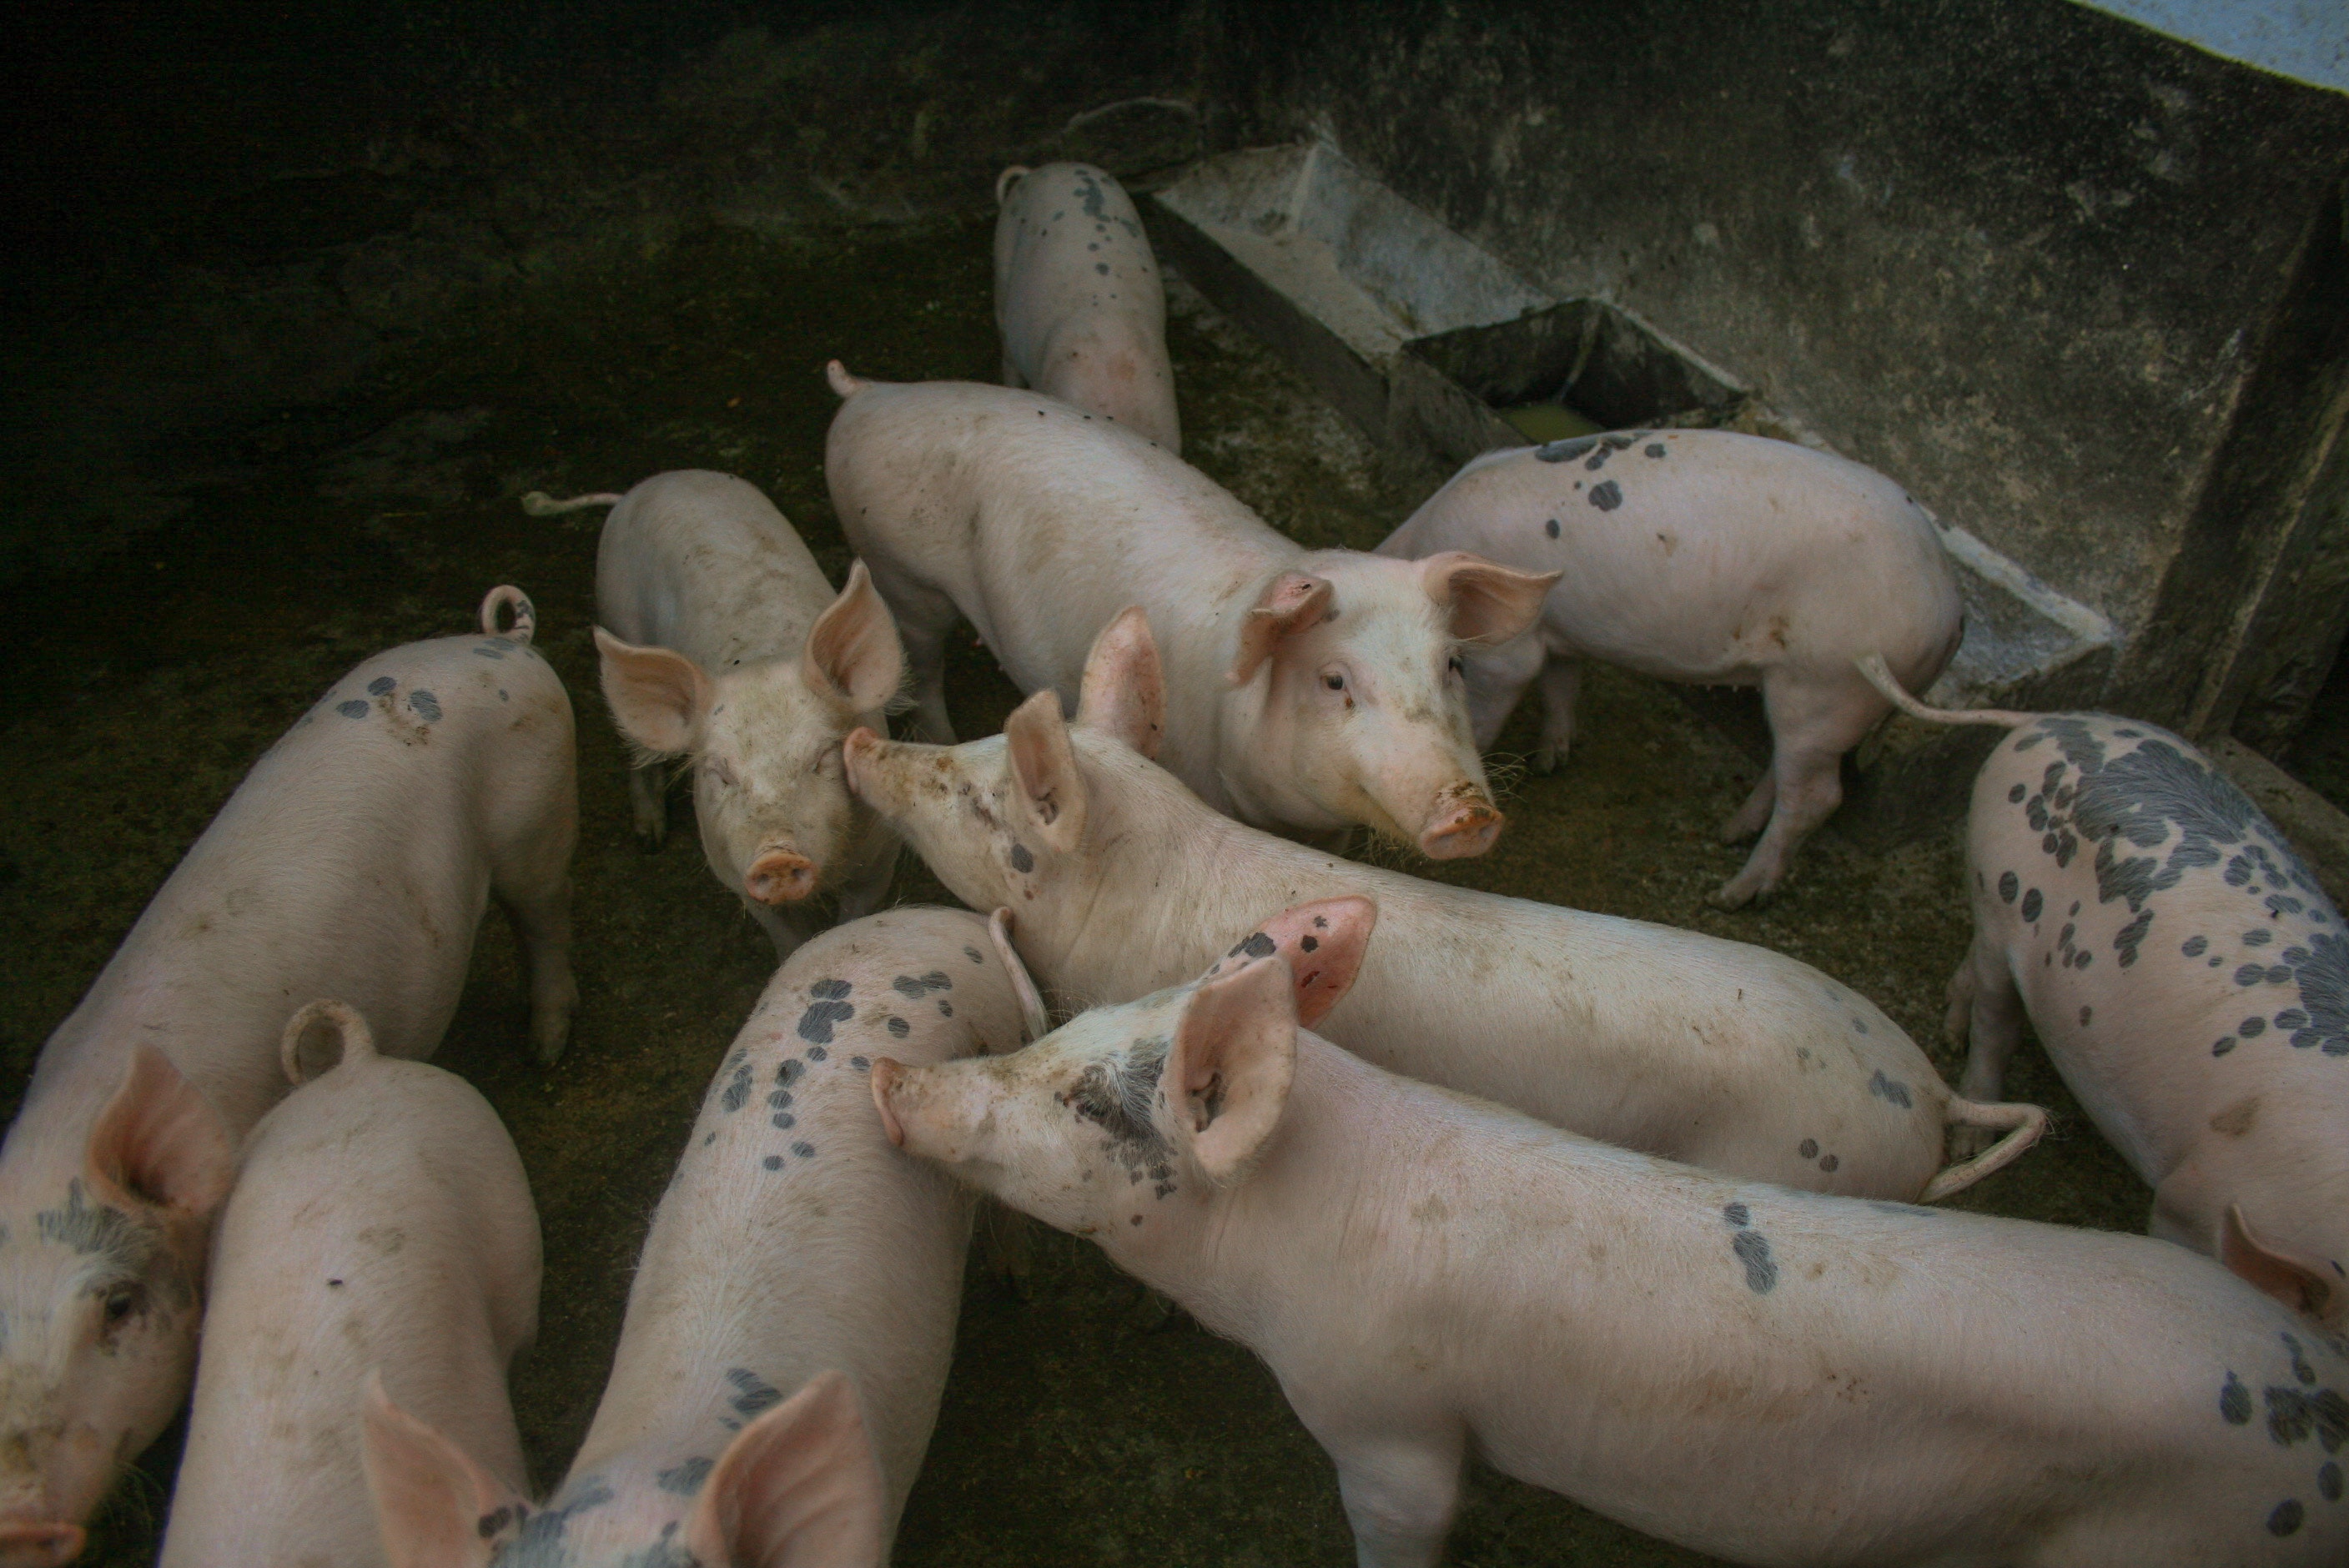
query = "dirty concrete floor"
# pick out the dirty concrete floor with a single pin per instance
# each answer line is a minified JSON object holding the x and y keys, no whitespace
{"x":1075,"y":1428}
{"x":1079,"y":1427}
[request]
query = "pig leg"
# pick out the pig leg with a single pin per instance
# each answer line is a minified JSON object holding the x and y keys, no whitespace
{"x":538,"y":907}
{"x":1401,"y":1486}
{"x":1561,"y":684}
{"x":648,"y":802}
{"x":925,"y":619}
{"x":1812,"y":725}
{"x":1496,"y":679}
{"x":1985,"y":1012}
{"x":1749,"y":819}
{"x":786,"y":928}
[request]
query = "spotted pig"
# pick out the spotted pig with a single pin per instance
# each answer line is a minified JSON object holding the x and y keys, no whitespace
{"x":1310,"y":690}
{"x":793,"y":1312}
{"x":723,"y":645}
{"x":355,"y":861}
{"x":1760,"y":1374}
{"x":2186,"y":974}
{"x":1718,"y":1053}
{"x":1712,"y":558}
{"x":381,"y":1232}
{"x":1078,"y":300}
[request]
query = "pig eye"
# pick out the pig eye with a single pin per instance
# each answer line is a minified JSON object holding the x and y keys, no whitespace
{"x":1459,"y":670}
{"x":1334,"y":681}
{"x":719,"y":771}
{"x":121,"y":1302}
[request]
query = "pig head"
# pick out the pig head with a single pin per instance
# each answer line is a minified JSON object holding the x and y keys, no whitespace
{"x":102,"y":1274}
{"x":763,"y":740}
{"x":1348,"y":699}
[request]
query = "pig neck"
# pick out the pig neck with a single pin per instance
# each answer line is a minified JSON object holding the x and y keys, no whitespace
{"x":1327,"y":1202}
{"x":1172,"y":884}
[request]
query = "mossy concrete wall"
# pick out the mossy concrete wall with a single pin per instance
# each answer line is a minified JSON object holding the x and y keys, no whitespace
{"x":2075,"y":284}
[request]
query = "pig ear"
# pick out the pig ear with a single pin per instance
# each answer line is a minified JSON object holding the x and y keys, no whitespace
{"x":852,"y":655}
{"x":798,"y":1488}
{"x":658,"y":697}
{"x":159,"y":1143}
{"x":1032,"y":1016}
{"x":1323,"y":943}
{"x":1489,"y":602}
{"x":435,"y":1506}
{"x":1044,"y":767}
{"x":1124,"y":689}
{"x":1291,"y":602}
{"x":2303,"y":1284}
{"x":1228,"y":1073}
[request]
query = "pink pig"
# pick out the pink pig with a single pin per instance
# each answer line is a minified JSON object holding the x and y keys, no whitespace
{"x":1768,"y":1376}
{"x":1078,"y":300}
{"x":2185,"y":973}
{"x":793,"y":1239}
{"x":381,"y":1242}
{"x":355,"y":861}
{"x":1708,"y":557}
{"x":1304,"y":689}
{"x":1718,"y":1053}
{"x":723,"y":645}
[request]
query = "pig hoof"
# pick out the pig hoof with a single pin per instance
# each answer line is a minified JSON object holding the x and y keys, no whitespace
{"x":1547,"y":760}
{"x":1737,"y":893}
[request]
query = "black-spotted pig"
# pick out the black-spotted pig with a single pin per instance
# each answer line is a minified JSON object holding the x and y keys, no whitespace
{"x":2184,"y":971}
{"x":1719,"y":1053}
{"x":1078,"y":300}
{"x":724,"y":643}
{"x":1711,"y":558}
{"x":1309,"y":690}
{"x":1768,"y":1376}
{"x":793,"y":1239}
{"x":381,"y":1232}
{"x":355,"y":861}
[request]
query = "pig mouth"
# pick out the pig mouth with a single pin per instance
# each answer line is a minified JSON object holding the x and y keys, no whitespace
{"x":1463,"y":823}
{"x":39,"y":1543}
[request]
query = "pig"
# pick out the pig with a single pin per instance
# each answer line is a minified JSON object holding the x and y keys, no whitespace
{"x":381,"y":1235}
{"x":1712,"y":1052}
{"x":793,"y":1239}
{"x":724,"y":643}
{"x":2183,"y":970}
{"x":1765,"y":1375}
{"x":1078,"y":298}
{"x":1307,"y":690}
{"x":355,"y":861}
{"x":1714,"y":557}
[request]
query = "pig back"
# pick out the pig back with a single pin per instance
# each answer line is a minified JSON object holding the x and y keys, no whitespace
{"x":381,"y":1222}
{"x":353,"y":861}
{"x":793,"y":1236}
{"x":703,"y":564}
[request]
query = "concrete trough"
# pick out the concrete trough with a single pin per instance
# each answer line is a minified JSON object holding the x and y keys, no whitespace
{"x":1420,"y":337}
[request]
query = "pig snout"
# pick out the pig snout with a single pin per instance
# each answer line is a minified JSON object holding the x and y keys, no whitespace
{"x":779,"y":876}
{"x":885,"y":1073}
{"x":38,"y":1544}
{"x":857,"y":752}
{"x":1464,"y":823}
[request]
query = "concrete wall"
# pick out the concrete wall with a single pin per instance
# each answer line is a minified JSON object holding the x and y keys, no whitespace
{"x":2307,"y":40}
{"x":2072,"y":281}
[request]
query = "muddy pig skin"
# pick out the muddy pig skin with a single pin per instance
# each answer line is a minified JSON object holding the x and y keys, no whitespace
{"x":793,"y":1241}
{"x":1718,"y":1053}
{"x":1307,"y":690}
{"x":2185,"y":973}
{"x":1767,"y":1376}
{"x":1078,"y":300}
{"x":381,"y":1227}
{"x":724,"y":645}
{"x":1708,"y":557}
{"x":355,"y":861}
